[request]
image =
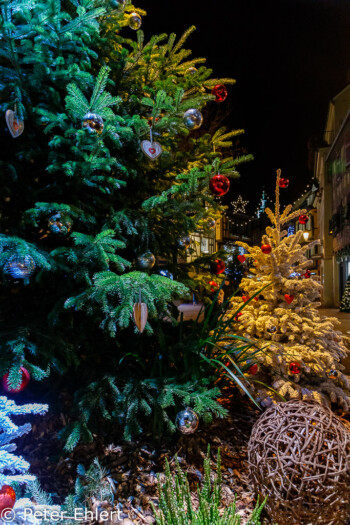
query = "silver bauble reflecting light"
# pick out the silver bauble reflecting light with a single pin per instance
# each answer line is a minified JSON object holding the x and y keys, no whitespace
{"x":20,"y":267}
{"x":187,"y":421}
{"x":93,"y":123}
{"x":146,"y":261}
{"x":193,"y":119}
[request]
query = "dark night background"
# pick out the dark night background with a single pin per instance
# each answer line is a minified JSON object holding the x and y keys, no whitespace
{"x":289,"y":57}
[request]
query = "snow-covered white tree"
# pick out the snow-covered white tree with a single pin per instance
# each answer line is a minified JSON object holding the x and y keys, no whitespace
{"x":302,"y":349}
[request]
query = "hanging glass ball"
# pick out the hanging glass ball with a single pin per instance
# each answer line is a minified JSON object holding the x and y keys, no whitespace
{"x":166,"y":273}
{"x":295,"y":367}
{"x":20,"y":267}
{"x":146,"y":261}
{"x":23,"y":384}
{"x":193,"y":119}
{"x":253,"y":369}
{"x":93,"y":123}
{"x":7,"y":501}
{"x":303,"y":219}
{"x":211,"y":223}
{"x":187,"y":421}
{"x":185,"y":242}
{"x":135,"y":21}
{"x":266,"y":249}
{"x":213,"y":285}
{"x":332,"y":374}
{"x":220,"y":93}
{"x":283,"y":183}
{"x":218,"y":266}
{"x":118,"y":4}
{"x":272,"y":329}
{"x":60,"y":224}
{"x":219,"y":185}
{"x":191,"y":71}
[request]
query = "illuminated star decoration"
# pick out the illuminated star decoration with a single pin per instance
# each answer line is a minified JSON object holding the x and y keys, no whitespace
{"x":239,"y":205}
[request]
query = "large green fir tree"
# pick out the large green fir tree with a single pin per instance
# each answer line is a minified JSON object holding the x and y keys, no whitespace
{"x":81,"y":202}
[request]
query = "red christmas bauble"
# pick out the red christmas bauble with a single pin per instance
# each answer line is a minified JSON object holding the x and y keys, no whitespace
{"x":238,"y":316}
{"x":213,"y":285}
{"x":220,"y":93}
{"x":289,"y":298}
{"x":245,"y":298}
{"x":7,"y":498}
{"x":218,"y":266}
{"x":254,"y":369}
{"x":24,"y":382}
{"x":295,"y":367}
{"x":307,"y":274}
{"x":241,"y":258}
{"x":303,"y":219}
{"x":283,"y":183}
{"x":219,"y":185}
{"x":266,"y":249}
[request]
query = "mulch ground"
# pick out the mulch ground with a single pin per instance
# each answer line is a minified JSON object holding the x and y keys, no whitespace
{"x":134,"y":466}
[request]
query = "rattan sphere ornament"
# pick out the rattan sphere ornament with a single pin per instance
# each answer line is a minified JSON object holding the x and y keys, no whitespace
{"x":187,"y":421}
{"x":299,"y":458}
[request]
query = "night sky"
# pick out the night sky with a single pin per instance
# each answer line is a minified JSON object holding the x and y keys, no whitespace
{"x":289,"y":58}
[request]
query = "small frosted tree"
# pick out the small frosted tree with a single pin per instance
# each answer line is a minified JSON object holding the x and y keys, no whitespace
{"x":302,"y":349}
{"x":14,"y":469}
{"x":345,"y":302}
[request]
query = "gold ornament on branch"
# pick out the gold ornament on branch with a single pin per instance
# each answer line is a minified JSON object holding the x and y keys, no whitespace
{"x":140,"y":312}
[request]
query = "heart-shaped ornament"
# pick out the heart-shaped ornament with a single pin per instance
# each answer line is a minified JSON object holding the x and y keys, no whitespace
{"x":289,"y":298}
{"x":241,"y":258}
{"x":151,"y":149}
{"x":15,"y":125}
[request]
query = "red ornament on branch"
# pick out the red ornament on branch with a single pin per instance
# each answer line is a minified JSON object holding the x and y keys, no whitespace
{"x":266,"y":249}
{"x":303,"y":219}
{"x":284,"y":183}
{"x":253,"y":369}
{"x":24,"y":382}
{"x":219,"y":185}
{"x":295,"y":367}
{"x":213,"y":285}
{"x":238,"y":316}
{"x":307,"y":274}
{"x":289,"y":298}
{"x":220,"y":93}
{"x":218,"y":266}
{"x":241,"y":258}
{"x":245,"y":298}
{"x":7,"y":498}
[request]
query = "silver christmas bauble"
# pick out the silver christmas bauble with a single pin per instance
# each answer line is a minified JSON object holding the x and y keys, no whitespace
{"x":191,"y":71}
{"x":185,"y":242}
{"x":211,"y":223}
{"x":166,"y":273}
{"x":272,"y":329}
{"x":20,"y":267}
{"x":146,"y":261}
{"x":193,"y":119}
{"x":187,"y":421}
{"x":93,"y":123}
{"x":60,"y":224}
{"x":135,"y":21}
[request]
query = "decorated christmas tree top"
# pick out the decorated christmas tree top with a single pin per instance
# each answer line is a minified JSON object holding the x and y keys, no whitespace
{"x":302,"y":354}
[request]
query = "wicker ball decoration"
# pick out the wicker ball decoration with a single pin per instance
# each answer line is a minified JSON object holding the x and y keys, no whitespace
{"x":299,"y":457}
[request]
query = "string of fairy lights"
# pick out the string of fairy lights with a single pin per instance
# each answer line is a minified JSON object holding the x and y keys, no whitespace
{"x":239,"y":206}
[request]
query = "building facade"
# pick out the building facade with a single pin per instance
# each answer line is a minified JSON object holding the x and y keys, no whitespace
{"x":332,"y":170}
